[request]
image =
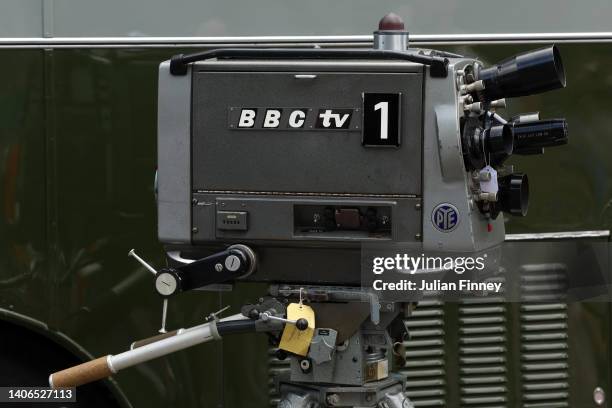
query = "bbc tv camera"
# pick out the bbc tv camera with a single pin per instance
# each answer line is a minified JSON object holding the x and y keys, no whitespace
{"x":277,"y":164}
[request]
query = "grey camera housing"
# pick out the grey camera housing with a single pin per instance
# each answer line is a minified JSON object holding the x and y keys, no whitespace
{"x":220,"y":184}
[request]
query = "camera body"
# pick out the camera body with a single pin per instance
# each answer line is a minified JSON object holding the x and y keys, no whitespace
{"x":306,"y":155}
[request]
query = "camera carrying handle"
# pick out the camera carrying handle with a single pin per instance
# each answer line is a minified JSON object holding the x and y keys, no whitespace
{"x":438,"y":65}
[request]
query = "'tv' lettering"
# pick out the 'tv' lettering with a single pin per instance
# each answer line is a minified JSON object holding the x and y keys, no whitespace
{"x":334,"y":118}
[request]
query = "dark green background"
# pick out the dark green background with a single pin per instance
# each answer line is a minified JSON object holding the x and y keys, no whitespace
{"x":77,"y":160}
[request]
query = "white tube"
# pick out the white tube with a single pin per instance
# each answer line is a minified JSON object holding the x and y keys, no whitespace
{"x":187,"y":338}
{"x":190,"y":337}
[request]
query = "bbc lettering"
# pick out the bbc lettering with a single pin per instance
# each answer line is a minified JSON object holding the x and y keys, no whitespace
{"x":273,"y":118}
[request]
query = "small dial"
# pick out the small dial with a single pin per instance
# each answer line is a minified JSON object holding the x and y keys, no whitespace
{"x":232,"y":263}
{"x":166,"y":284}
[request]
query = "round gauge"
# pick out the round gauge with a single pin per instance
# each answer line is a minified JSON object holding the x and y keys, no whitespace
{"x":166,"y":284}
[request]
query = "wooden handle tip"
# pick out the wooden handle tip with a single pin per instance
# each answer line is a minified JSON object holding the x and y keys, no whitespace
{"x":81,"y":374}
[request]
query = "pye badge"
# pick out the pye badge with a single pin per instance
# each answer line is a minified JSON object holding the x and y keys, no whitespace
{"x":445,"y":217}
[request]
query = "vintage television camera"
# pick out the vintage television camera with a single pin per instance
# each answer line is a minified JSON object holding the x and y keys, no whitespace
{"x":278,"y":164}
{"x":305,"y":154}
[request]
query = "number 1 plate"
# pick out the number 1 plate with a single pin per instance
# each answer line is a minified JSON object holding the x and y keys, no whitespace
{"x":381,"y":119}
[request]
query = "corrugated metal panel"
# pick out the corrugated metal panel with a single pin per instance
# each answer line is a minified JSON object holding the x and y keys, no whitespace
{"x":425,"y":356}
{"x":483,"y":344}
{"x":544,"y":346}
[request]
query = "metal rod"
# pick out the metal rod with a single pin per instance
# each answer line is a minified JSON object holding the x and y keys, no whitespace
{"x":132,"y":253}
{"x":558,"y":235}
{"x":265,"y":316}
{"x":201,"y":334}
{"x":331,"y":40}
{"x":164,"y":313}
{"x":105,"y":366}
{"x":186,"y":338}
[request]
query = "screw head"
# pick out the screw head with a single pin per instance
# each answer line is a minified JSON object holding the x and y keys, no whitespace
{"x":218,"y":267}
{"x":305,"y":365}
{"x":333,"y":399}
{"x":232,"y":263}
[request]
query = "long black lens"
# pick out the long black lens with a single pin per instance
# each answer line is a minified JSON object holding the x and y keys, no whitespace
{"x":525,"y":74}
{"x":533,"y":136}
{"x":513,"y":196}
{"x":499,"y":140}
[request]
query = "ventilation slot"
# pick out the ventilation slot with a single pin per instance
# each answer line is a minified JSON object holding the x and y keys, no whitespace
{"x":425,"y":355}
{"x":482,"y":353}
{"x":544,"y":346}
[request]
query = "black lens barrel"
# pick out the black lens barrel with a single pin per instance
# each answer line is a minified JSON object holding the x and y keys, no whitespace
{"x":525,"y":74}
{"x":534,"y":136}
{"x":499,"y":140}
{"x":513,"y":195}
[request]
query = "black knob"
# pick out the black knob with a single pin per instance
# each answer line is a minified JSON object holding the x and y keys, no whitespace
{"x":301,"y":324}
{"x":254,"y":314}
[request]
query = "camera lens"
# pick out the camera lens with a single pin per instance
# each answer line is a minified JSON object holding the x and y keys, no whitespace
{"x":498,"y":140}
{"x":525,"y":74}
{"x":533,"y":136}
{"x":513,"y":195}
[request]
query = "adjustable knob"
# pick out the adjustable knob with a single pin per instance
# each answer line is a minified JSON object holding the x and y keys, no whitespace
{"x":301,"y":324}
{"x":167,"y":282}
